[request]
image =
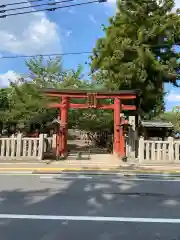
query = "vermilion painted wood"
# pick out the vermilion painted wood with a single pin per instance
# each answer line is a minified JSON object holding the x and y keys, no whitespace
{"x":98,"y":96}
{"x":99,"y":106}
{"x":65,"y":104}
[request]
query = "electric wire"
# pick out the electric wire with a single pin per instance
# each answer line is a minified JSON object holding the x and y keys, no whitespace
{"x":34,"y":6}
{"x":52,"y":9}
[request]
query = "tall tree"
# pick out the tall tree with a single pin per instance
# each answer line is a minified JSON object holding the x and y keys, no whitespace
{"x":138,"y":51}
{"x":27,"y":103}
{"x":45,"y":72}
{"x":24,"y":101}
{"x":173,"y":117}
{"x":4,"y":103}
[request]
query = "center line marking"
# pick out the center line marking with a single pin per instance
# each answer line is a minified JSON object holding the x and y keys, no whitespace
{"x":90,"y":218}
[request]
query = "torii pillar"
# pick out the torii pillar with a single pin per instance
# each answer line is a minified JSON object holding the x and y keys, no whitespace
{"x":63,"y":130}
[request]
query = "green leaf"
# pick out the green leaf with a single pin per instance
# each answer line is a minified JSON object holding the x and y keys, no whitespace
{"x":137,"y":51}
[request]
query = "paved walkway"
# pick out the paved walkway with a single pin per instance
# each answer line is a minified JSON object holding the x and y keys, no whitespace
{"x":97,"y":163}
{"x":103,"y":165}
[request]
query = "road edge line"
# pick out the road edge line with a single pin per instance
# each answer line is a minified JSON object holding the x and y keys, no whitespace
{"x":92,"y":171}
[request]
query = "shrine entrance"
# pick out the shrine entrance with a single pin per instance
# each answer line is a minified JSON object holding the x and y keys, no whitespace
{"x":86,"y":145}
{"x":120,"y":101}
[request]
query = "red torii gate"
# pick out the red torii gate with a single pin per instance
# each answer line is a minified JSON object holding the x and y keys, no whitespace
{"x":92,"y":102}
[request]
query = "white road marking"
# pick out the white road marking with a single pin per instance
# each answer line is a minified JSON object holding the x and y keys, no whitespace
{"x":90,"y":218}
{"x":64,"y":177}
{"x":46,"y":177}
{"x":151,"y":180}
{"x":72,"y":177}
{"x":84,"y":177}
{"x":121,"y":177}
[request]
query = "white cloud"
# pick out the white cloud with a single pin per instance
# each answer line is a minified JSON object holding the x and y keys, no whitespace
{"x":173,"y":96}
{"x":5,"y":78}
{"x":112,"y":1}
{"x":28,"y":34}
{"x":112,"y":4}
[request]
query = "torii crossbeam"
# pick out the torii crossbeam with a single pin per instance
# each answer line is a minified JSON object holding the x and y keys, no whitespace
{"x":92,"y":101}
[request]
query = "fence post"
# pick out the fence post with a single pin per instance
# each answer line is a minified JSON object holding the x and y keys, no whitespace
{"x":41,"y":147}
{"x":54,"y":143}
{"x":46,"y":143}
{"x":13,"y":146}
{"x":132,"y":138}
{"x":141,"y":149}
{"x":171,"y":148}
{"x":19,"y":146}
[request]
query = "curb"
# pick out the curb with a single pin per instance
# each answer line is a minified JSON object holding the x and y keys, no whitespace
{"x":92,"y":171}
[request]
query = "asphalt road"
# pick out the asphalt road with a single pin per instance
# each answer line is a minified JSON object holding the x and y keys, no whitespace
{"x":42,"y":207}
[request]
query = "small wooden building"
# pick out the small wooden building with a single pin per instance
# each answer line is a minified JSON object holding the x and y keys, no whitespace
{"x":156,"y":130}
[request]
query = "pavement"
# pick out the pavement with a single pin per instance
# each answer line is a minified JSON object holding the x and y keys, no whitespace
{"x":90,"y":167}
{"x":77,"y":206}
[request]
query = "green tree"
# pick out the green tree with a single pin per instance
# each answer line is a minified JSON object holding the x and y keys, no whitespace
{"x":173,"y":117}
{"x":4,"y":104}
{"x":54,"y":76}
{"x":137,"y":51}
{"x":45,"y":72}
{"x":28,"y":104}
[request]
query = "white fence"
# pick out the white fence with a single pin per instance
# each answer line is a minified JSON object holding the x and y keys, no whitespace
{"x":22,"y":148}
{"x":159,"y":151}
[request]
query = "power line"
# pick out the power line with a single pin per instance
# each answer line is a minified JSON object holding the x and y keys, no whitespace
{"x":18,"y":3}
{"x":46,"y":55}
{"x":34,"y":6}
{"x":52,"y":9}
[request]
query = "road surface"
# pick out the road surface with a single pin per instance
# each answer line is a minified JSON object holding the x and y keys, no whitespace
{"x":47,"y":207}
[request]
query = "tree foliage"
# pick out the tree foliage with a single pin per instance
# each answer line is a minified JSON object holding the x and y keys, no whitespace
{"x":137,"y":51}
{"x":173,"y":117}
{"x":25,"y":102}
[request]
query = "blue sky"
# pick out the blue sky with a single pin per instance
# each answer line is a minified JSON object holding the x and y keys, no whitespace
{"x":72,"y":29}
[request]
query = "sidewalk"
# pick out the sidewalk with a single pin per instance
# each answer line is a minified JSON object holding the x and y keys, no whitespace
{"x":88,"y":166}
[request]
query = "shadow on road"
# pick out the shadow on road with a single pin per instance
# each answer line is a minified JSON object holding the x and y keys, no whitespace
{"x":87,"y":197}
